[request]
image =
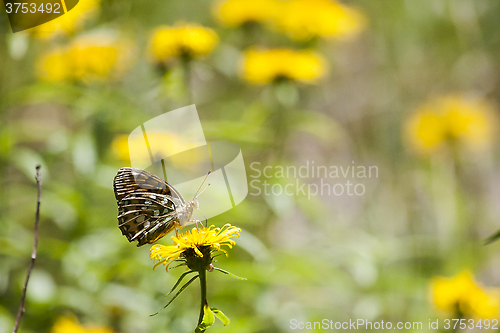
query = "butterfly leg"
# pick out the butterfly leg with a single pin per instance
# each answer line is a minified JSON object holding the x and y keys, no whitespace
{"x":199,"y":223}
{"x":206,"y":220}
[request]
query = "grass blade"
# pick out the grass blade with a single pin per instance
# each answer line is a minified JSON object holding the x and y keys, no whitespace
{"x":492,"y":238}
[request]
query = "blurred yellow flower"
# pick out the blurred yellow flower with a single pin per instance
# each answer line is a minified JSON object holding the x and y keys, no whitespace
{"x":90,"y":57}
{"x":165,"y":144}
{"x":264,"y":66}
{"x":304,"y":19}
{"x":70,"y":22}
{"x":54,"y":65}
{"x":66,"y":325}
{"x":197,"y":242}
{"x":119,"y":146}
{"x":238,"y":12}
{"x":299,"y":19}
{"x":190,"y":40}
{"x":451,"y":119}
{"x":462,"y":293}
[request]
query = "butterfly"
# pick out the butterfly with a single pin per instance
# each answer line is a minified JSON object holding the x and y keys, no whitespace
{"x":148,"y":207}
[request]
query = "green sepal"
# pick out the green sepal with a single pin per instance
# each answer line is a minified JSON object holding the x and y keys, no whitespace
{"x":229,"y":273}
{"x":178,"y":293}
{"x":179,"y":281}
{"x":221,"y":316}
{"x":208,"y":319}
{"x":182,"y":263}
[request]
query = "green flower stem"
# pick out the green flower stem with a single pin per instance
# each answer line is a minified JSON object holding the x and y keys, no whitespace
{"x":186,"y":64}
{"x":279,"y":127}
{"x":203,"y":285}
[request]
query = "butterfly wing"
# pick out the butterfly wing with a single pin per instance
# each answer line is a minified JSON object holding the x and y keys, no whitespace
{"x":146,"y":217}
{"x":147,"y":205}
{"x":129,"y":180}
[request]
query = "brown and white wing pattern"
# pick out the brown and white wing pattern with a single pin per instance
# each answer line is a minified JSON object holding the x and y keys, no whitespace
{"x":147,"y":205}
{"x":129,"y":180}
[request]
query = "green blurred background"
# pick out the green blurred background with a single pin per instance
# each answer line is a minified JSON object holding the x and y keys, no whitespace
{"x":335,"y":257}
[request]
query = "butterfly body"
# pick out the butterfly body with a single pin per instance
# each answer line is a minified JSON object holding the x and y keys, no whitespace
{"x":148,"y":207}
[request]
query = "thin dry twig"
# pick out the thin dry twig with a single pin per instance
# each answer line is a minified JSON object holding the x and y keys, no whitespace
{"x":38,"y":178}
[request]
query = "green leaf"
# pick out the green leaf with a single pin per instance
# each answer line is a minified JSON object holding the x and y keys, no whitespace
{"x":221,"y":316}
{"x":229,"y":273}
{"x":208,"y":319}
{"x":178,"y":293}
{"x":492,"y":238}
{"x":179,"y":281}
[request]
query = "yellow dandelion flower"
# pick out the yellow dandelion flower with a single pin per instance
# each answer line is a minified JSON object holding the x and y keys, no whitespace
{"x":300,"y":19}
{"x":161,"y":145}
{"x":266,"y":66}
{"x":451,"y":119}
{"x":120,"y":148}
{"x":426,"y":131}
{"x":70,"y":22}
{"x":304,"y":19}
{"x":55,"y":65}
{"x":197,"y":243}
{"x":195,"y":249}
{"x":238,"y":12}
{"x":462,"y":293}
{"x":87,"y":58}
{"x":485,"y":303}
{"x":469,"y":120}
{"x":190,"y":40}
{"x":66,"y":325}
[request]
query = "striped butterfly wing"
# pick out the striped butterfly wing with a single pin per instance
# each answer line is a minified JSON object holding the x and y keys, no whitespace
{"x":146,"y":205}
{"x":129,"y":180}
{"x":145,"y":217}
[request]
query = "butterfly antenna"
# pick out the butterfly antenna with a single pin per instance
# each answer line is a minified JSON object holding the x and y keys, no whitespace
{"x":196,"y":197}
{"x":204,"y":180}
